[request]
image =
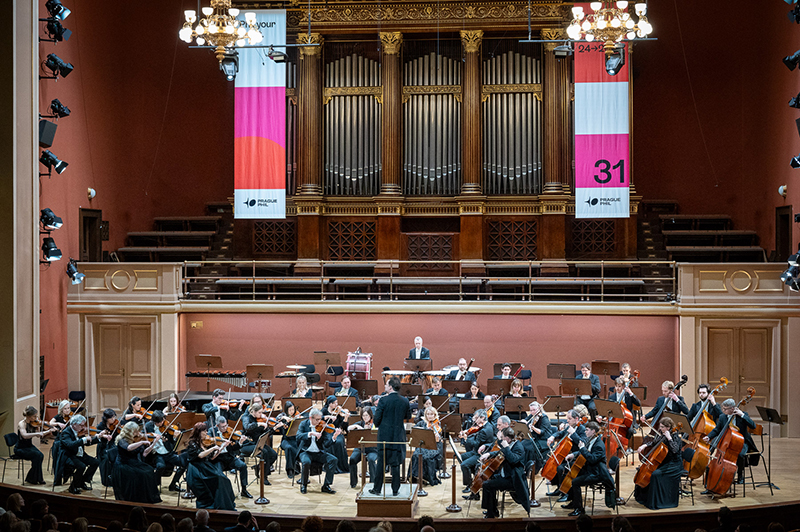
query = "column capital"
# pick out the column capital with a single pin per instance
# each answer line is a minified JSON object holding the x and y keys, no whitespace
{"x":307,"y":39}
{"x":471,"y":39}
{"x":552,"y":34}
{"x":391,"y":42}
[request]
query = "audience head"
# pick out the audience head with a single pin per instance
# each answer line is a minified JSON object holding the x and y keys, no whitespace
{"x":427,"y":528}
{"x":167,"y":521}
{"x":345,"y":526}
{"x":39,"y":507}
{"x":137,"y":519}
{"x":725,"y":516}
{"x":584,"y":523}
{"x":201,"y":517}
{"x":21,"y":525}
{"x":15,"y":503}
{"x":621,"y":524}
{"x":273,"y":526}
{"x":425,"y":520}
{"x":7,"y":520}
{"x":775,"y":527}
{"x":49,"y":522}
{"x":385,"y":525}
{"x":312,"y":523}
{"x":244,"y":518}
{"x":184,"y":525}
{"x":80,"y":524}
{"x":155,"y":527}
{"x":533,"y":526}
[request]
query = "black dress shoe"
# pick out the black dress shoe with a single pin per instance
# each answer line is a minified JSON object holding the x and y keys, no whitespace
{"x":740,"y":480}
{"x":466,"y":490}
{"x":563,"y":498}
{"x":576,"y":512}
{"x":328,"y":489}
{"x":74,"y":490}
{"x":554,"y":493}
{"x":175,"y":487}
{"x":267,"y":482}
{"x":569,"y":506}
{"x":246,"y":494}
{"x":353,"y":486}
{"x":187,"y":495}
{"x":86,"y":487}
{"x":395,"y":494}
{"x":473,"y":497}
{"x":375,"y":492}
{"x":303,"y":488}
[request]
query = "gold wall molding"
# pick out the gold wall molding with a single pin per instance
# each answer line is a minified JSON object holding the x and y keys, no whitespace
{"x":331,"y":92}
{"x":391,"y":41}
{"x":310,"y":38}
{"x":511,"y":88}
{"x":471,"y":39}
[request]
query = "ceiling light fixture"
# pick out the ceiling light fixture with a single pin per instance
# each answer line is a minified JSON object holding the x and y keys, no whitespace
{"x":220,"y":28}
{"x":609,"y":23}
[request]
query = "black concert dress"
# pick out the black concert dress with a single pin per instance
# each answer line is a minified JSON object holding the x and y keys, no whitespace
{"x":431,"y":459}
{"x":132,"y":479}
{"x":208,"y":482}
{"x":665,"y":482}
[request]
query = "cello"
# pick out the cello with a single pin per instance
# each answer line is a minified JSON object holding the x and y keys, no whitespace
{"x":652,"y":457}
{"x":727,"y":446}
{"x":620,"y":426}
{"x":487,"y":469}
{"x":559,"y":453}
{"x":702,"y":425}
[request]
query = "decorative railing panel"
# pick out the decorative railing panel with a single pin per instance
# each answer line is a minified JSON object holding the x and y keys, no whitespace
{"x":352,"y":240}
{"x":511,"y":240}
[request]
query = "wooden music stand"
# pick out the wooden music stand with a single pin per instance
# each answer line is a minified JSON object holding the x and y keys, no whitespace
{"x":469,"y":406}
{"x":300,"y":403}
{"x":640,"y":392}
{"x":409,"y":390}
{"x":323,"y":358}
{"x":605,"y":368}
{"x":517,"y":404}
{"x":559,"y":405}
{"x":456,"y":387}
{"x":353,"y":438}
{"x":440,"y":402}
{"x":560,"y":371}
{"x":608,"y":408}
{"x":348,"y":402}
{"x":576,"y":387}
{"x":208,"y":362}
{"x":421,"y":439}
{"x":365,"y":388}
{"x":187,"y":420}
{"x":451,"y":423}
{"x":498,"y":386}
{"x":521,"y":430}
{"x":418,"y":365}
{"x":260,"y":373}
{"x":498,"y":368}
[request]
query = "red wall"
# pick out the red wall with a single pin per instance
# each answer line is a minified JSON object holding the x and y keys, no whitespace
{"x":712,"y":128}
{"x":648,"y":343}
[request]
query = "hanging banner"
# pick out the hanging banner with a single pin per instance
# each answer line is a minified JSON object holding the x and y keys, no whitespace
{"x":260,"y":125}
{"x":602,"y":149}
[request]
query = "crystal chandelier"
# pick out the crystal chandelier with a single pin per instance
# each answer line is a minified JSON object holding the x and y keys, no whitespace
{"x":220,"y":28}
{"x":609,"y":23}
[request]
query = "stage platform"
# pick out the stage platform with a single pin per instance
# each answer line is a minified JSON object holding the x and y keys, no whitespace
{"x":289,"y":506}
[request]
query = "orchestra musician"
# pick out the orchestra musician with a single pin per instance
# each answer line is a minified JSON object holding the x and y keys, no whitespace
{"x":204,"y":476}
{"x":594,"y":471}
{"x":254,"y":425}
{"x":742,"y":422}
{"x":314,"y":444}
{"x":133,"y":479}
{"x":483,"y":435}
{"x":227,"y":454}
{"x":60,"y":420}
{"x":289,"y":444}
{"x":339,"y":418}
{"x":510,"y":476}
{"x":421,"y":413}
{"x":217,"y":408}
{"x":419,"y":352}
{"x":675,"y":403}
{"x":540,"y":429}
{"x":436,"y":387}
{"x":28,"y":428}
{"x":505,"y":372}
{"x":106,"y":451}
{"x":163,"y":457}
{"x":663,"y":491}
{"x":174,"y":405}
{"x":623,"y":393}
{"x":366,"y":423}
{"x":474,"y":391}
{"x":492,"y":412}
{"x":462,"y":373}
{"x":703,"y":393}
{"x":430,"y":457}
{"x":588,"y":400}
{"x":301,"y":388}
{"x":577,"y":434}
{"x":390,"y":414}
{"x":346,"y":390}
{"x":72,"y":442}
{"x":516,"y":391}
{"x":630,"y":379}
{"x":134,"y":412}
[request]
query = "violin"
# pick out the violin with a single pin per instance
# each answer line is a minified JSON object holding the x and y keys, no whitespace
{"x":37,"y":422}
{"x":149,"y":437}
{"x":323,"y":426}
{"x":437,"y":428}
{"x":180,"y":409}
{"x":702,"y":425}
{"x":233,"y":435}
{"x":490,"y":410}
{"x":234,"y":403}
{"x":210,"y":441}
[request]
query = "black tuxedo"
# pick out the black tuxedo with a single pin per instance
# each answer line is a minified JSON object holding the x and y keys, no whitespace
{"x":678,"y":408}
{"x":589,"y":403}
{"x":322,"y":456}
{"x":430,"y":391}
{"x":213,"y":411}
{"x":469,"y":459}
{"x":594,"y":471}
{"x":469,"y":377}
{"x":742,"y":423}
{"x":72,"y":454}
{"x":714,"y":411}
{"x":351,"y":392}
{"x":424,"y":354}
{"x":629,"y":400}
{"x":576,"y":437}
{"x":510,"y":476}
{"x":390,"y":414}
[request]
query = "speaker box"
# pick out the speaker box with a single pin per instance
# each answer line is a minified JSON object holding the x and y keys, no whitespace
{"x":47,"y":132}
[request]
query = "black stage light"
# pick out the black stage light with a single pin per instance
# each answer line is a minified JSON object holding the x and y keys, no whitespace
{"x":56,"y":31}
{"x":615,"y":62}
{"x":60,"y":110}
{"x":58,"y":66}
{"x":50,"y":221}
{"x":795,"y":102}
{"x":51,"y":161}
{"x":72,"y":270}
{"x":277,"y":57}
{"x":230,"y":65}
{"x":794,"y":14}
{"x":50,"y":250}
{"x":791,"y":60}
{"x":56,"y":10}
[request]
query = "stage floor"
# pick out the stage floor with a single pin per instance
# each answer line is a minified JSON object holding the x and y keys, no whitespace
{"x":286,"y":499}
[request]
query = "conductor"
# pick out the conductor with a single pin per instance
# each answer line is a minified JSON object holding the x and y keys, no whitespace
{"x":419,"y":352}
{"x":392,"y":410}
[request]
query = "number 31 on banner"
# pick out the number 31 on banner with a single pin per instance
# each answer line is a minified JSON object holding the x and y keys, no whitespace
{"x":605,"y":171}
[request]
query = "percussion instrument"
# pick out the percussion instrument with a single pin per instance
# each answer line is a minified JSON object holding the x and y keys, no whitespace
{"x":429,"y":375}
{"x":296,"y":366}
{"x":403,"y":375}
{"x":288,"y":375}
{"x":358,"y":366}
{"x":234,"y":378}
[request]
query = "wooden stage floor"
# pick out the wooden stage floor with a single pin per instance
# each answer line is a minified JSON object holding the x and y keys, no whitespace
{"x":286,"y":500}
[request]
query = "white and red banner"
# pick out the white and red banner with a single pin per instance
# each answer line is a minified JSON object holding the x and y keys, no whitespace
{"x":602,"y":151}
{"x":260,"y":125}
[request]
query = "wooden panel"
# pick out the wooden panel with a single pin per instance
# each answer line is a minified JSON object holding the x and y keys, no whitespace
{"x":111,"y":359}
{"x":755,"y":355}
{"x":139,"y":360}
{"x":721,"y":362}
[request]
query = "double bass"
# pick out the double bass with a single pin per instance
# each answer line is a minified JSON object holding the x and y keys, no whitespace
{"x":702,"y":425}
{"x":727,"y":446}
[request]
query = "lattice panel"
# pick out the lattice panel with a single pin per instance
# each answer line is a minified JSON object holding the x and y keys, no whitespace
{"x":275,"y":238}
{"x":593,"y":237}
{"x":352,"y":240}
{"x":430,"y":247}
{"x":512,"y":240}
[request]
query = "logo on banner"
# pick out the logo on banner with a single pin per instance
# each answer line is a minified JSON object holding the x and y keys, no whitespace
{"x":603,"y":202}
{"x":260,"y":202}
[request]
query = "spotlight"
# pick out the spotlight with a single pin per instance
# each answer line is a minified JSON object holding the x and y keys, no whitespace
{"x":60,"y":110}
{"x":791,"y":60}
{"x":278,"y":57}
{"x":796,"y":161}
{"x":56,"y":10}
{"x":51,"y":161}
{"x":58,"y":66}
{"x":72,"y":270}
{"x":562,"y":50}
{"x":230,"y":65}
{"x":50,"y":250}
{"x":50,"y":221}
{"x":794,"y":14}
{"x":56,"y":31}
{"x":789,"y":278}
{"x":616,"y":61}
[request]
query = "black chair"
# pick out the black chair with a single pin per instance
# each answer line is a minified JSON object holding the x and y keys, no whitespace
{"x":687,"y":486}
{"x":309,"y":368}
{"x":12,"y":438}
{"x":526,"y":375}
{"x":597,"y":488}
{"x":313,"y":469}
{"x":78,"y":396}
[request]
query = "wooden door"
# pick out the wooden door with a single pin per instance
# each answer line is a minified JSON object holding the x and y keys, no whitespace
{"x":123,"y":353}
{"x":742,"y":354}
